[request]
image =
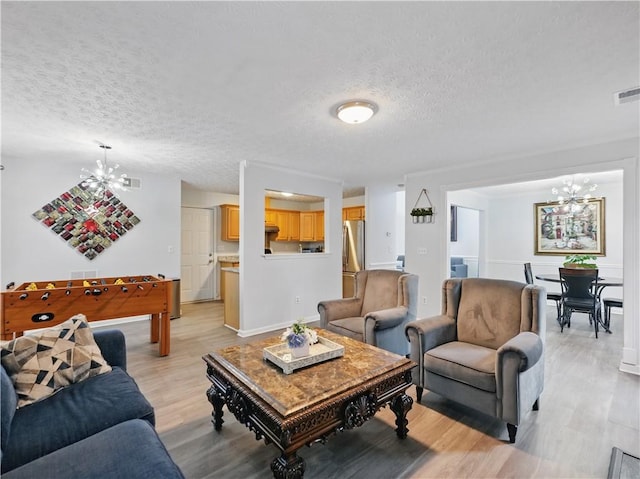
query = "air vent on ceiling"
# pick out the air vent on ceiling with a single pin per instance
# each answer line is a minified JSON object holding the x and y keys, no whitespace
{"x":133,"y":183}
{"x":626,"y":96}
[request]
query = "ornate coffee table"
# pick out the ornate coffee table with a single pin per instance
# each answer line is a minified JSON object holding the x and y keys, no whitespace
{"x":309,"y":405}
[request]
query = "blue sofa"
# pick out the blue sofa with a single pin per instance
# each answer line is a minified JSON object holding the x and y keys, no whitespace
{"x":102,"y":427}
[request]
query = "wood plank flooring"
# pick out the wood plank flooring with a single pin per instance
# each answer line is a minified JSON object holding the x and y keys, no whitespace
{"x":588,"y":406}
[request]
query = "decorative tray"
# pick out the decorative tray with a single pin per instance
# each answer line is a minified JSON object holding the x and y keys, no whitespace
{"x":323,"y":350}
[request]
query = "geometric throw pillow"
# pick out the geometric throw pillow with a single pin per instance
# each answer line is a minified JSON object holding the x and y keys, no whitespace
{"x":43,"y":363}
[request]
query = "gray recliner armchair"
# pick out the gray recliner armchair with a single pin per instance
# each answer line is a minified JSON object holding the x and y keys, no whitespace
{"x":486,"y":349}
{"x":384,"y":301}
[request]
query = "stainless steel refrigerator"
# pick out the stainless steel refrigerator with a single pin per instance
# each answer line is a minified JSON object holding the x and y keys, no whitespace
{"x":352,"y":255}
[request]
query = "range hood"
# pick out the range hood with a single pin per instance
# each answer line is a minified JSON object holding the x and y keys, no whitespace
{"x":271,"y":228}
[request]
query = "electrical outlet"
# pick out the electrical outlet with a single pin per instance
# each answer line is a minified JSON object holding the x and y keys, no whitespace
{"x":424,"y":300}
{"x":297,"y":299}
{"x":422,"y":250}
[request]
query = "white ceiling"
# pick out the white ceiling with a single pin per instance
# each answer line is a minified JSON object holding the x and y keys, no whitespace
{"x":193,"y":88}
{"x":612,"y":177}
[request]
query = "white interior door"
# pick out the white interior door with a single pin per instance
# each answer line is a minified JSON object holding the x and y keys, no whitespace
{"x":197,"y":278}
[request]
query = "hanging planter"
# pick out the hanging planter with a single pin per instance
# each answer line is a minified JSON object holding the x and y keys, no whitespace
{"x":420,"y":214}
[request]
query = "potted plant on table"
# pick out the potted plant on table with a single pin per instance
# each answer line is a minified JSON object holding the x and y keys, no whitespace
{"x":299,"y":337}
{"x":585,"y":261}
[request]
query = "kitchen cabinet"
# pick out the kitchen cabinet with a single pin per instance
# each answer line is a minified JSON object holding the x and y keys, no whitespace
{"x":319,"y":230}
{"x":289,"y":224}
{"x":353,"y":213}
{"x":232,"y":302}
{"x":294,"y":225}
{"x":230,"y":223}
{"x":307,"y":225}
{"x":225,"y":264}
{"x":270,"y":216}
{"x":312,"y":226}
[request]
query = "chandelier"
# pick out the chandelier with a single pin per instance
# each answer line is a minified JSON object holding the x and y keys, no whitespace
{"x":574,"y":196}
{"x":103,"y":178}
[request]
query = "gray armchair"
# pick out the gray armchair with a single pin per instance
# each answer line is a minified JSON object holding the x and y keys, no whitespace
{"x":486,"y":349}
{"x":384,"y":301}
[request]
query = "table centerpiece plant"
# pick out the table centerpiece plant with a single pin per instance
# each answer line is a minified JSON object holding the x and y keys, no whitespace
{"x":299,"y":337}
{"x":580,"y":261}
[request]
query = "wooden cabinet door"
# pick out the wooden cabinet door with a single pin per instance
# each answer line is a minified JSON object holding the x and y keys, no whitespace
{"x":270,"y":216}
{"x":353,"y":213}
{"x":307,"y":225}
{"x":294,"y":225}
{"x":282,"y":220}
{"x":230,"y":224}
{"x":318,"y":232}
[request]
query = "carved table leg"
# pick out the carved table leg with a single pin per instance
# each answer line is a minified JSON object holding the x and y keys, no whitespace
{"x":401,"y":405}
{"x":216,"y":399}
{"x":288,"y":466}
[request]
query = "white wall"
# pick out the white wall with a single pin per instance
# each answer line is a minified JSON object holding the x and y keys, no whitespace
{"x":30,"y":252}
{"x":433,"y":266}
{"x":512,"y":242}
{"x":468,"y":237}
{"x":381,"y":236}
{"x":467,"y":245}
{"x":480,"y":203}
{"x":354,"y":201}
{"x":269,"y":284}
{"x":399,"y":223}
{"x":194,"y":198}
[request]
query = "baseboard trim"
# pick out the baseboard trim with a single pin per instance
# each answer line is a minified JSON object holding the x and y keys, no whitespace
{"x":630,"y":368}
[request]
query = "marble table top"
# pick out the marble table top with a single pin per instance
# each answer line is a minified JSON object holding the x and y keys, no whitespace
{"x":290,"y":393}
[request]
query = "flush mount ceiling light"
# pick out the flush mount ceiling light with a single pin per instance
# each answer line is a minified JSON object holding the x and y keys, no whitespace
{"x":356,"y":111}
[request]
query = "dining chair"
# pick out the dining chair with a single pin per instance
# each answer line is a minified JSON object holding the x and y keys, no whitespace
{"x":579,"y":288}
{"x":556,"y":297}
{"x":609,"y":303}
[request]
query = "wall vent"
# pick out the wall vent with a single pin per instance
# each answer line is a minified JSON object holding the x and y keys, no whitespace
{"x":627,"y":96}
{"x":132,"y":183}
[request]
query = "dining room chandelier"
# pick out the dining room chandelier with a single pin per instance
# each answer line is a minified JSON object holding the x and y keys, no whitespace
{"x":574,"y":196}
{"x":103,"y":178}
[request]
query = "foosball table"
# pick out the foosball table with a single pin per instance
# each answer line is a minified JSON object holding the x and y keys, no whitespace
{"x":47,"y":303}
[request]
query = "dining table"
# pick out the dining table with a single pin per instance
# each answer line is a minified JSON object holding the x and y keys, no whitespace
{"x":603,"y":282}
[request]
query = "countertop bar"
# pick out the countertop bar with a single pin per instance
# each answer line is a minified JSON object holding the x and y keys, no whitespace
{"x":229,"y":258}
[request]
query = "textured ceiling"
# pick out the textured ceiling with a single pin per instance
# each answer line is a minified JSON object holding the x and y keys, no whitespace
{"x":193,"y":88}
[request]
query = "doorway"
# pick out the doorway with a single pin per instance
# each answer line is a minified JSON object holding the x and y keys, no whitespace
{"x":197,"y":265}
{"x":464,"y":245}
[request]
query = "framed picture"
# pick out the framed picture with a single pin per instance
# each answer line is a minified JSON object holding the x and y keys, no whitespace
{"x":454,"y":223}
{"x":559,"y":231}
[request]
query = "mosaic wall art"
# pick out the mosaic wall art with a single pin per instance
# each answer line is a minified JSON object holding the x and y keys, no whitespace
{"x":88,"y":224}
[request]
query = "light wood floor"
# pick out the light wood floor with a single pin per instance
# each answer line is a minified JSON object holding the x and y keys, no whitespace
{"x":587,"y":407}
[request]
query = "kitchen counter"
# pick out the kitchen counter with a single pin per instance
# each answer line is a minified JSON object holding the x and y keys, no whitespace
{"x":226,"y":261}
{"x":231,"y":278}
{"x":230,"y":270}
{"x":229,"y":259}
